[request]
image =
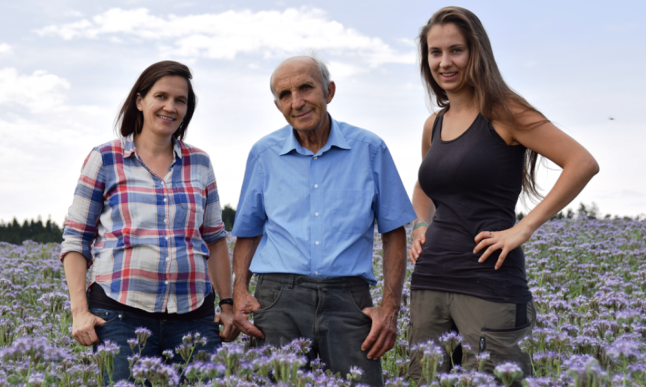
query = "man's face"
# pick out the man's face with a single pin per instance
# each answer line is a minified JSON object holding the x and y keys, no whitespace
{"x":300,"y":94}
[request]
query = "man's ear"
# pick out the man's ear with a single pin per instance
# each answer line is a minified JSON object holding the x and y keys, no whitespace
{"x":277,"y":105}
{"x":331,"y":89}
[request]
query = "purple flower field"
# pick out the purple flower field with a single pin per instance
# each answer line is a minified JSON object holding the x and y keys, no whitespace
{"x":588,"y":277}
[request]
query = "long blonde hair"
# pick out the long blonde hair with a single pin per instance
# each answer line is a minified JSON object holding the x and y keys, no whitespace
{"x":492,"y":95}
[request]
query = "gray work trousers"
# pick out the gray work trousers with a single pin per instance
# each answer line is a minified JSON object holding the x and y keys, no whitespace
{"x":486,"y":326}
{"x":326,"y":311}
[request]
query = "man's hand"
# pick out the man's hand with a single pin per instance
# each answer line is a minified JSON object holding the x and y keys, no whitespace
{"x":243,"y":305}
{"x":383,"y":333}
{"x":229,"y":331}
{"x":83,"y":324}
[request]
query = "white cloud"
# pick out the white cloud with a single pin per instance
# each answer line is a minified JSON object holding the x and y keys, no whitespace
{"x":5,"y":49}
{"x":227,"y":34}
{"x":39,"y":92}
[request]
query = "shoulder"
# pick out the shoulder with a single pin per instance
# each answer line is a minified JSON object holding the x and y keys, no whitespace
{"x":111,"y":147}
{"x":427,"y":133}
{"x":520,"y":117}
{"x":274,"y":140}
{"x":355,"y":134}
{"x":197,"y":155}
{"x":428,"y":125}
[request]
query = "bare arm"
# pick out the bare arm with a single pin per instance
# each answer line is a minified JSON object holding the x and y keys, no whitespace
{"x":83,"y":322}
{"x":243,"y":302}
{"x":578,"y":168}
{"x":219,"y":266}
{"x":383,"y":333}
{"x":423,"y":205}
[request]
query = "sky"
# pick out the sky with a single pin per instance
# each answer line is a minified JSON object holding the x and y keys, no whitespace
{"x":66,"y":67}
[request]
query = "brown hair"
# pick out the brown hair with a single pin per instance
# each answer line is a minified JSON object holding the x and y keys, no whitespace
{"x":492,"y":95}
{"x":131,"y":120}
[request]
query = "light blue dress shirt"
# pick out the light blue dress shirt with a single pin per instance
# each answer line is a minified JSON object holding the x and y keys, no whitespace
{"x":316,"y":212}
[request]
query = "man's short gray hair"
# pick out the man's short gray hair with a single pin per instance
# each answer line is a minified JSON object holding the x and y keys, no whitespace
{"x":323,"y":70}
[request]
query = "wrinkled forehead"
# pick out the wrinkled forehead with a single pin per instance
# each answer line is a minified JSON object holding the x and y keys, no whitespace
{"x":295,"y":70}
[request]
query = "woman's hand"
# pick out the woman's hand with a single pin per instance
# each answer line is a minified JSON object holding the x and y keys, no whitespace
{"x":229,"y":331}
{"x":507,"y":240}
{"x":419,"y":238}
{"x":83,"y":324}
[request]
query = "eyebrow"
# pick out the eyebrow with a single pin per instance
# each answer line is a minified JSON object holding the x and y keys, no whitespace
{"x":284,"y":92}
{"x":451,"y":46}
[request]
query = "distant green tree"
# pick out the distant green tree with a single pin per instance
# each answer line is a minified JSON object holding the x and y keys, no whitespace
{"x":228,"y":217}
{"x":34,"y":230}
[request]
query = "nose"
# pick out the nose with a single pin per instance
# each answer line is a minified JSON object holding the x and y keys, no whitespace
{"x":169,"y":106}
{"x":446,"y":60}
{"x":297,"y":101}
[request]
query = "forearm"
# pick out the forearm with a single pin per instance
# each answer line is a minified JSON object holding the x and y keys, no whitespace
{"x":394,"y":263}
{"x":423,"y":205}
{"x":573,"y":179}
{"x":219,"y":265}
{"x":243,"y":253}
{"x":75,"y":272}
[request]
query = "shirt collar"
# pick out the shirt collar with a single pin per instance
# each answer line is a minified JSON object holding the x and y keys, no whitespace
{"x":129,"y":146}
{"x":336,"y":138}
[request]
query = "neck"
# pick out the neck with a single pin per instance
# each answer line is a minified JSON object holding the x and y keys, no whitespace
{"x":315,"y":139}
{"x":462,"y":101}
{"x":153,"y":145}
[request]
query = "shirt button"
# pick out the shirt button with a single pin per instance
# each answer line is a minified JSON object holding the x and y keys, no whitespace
{"x":168,"y":259}
{"x":167,"y":238}
{"x":316,"y":214}
{"x":316,"y":185}
{"x":166,"y":282}
{"x":165,"y":220}
{"x":165,"y":200}
{"x":317,"y":243}
{"x":316,"y":272}
{"x":315,"y":157}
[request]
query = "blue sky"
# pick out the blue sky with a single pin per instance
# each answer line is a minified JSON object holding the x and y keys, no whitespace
{"x":66,"y":66}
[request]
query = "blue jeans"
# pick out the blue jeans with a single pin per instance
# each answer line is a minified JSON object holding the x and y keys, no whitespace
{"x":166,"y":334}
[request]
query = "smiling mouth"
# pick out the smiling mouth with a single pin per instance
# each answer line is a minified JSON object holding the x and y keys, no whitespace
{"x":449,"y":74}
{"x":165,"y":118}
{"x":302,"y":115}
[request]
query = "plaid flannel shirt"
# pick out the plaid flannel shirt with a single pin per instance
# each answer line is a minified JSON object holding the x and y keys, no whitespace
{"x":150,"y":234}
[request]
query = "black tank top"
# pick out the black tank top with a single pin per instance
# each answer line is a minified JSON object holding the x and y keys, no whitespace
{"x":474,"y":182}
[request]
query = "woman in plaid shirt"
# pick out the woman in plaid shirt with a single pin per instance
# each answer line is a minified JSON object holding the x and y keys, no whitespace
{"x":146,"y":221}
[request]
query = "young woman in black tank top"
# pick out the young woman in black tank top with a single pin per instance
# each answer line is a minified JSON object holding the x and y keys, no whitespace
{"x":479,"y":152}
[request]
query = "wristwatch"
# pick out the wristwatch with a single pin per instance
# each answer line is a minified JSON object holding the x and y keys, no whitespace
{"x":228,"y":301}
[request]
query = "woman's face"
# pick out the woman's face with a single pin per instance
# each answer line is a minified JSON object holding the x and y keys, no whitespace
{"x":448,"y":56}
{"x":165,"y":105}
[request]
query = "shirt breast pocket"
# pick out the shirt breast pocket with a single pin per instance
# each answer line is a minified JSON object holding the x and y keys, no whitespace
{"x":189,"y":210}
{"x":350,"y":211}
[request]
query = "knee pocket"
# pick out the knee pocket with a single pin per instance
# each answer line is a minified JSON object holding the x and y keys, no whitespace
{"x":502,"y":344}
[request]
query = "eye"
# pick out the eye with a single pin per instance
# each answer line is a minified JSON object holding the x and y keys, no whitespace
{"x":283,"y":95}
{"x":434,"y":52}
{"x":457,"y":50}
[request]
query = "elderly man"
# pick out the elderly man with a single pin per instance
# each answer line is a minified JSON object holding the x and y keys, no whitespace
{"x":305,"y":224}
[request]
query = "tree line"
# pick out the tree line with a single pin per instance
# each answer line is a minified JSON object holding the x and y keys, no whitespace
{"x":15,"y":233}
{"x":35,"y":230}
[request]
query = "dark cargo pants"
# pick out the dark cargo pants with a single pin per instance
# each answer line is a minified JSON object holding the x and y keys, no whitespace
{"x":326,"y":311}
{"x":486,"y":326}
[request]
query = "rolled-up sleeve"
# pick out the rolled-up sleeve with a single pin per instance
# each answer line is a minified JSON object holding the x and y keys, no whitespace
{"x":212,"y":229}
{"x":250,"y":215}
{"x":81,"y":226}
{"x":392,"y":206}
